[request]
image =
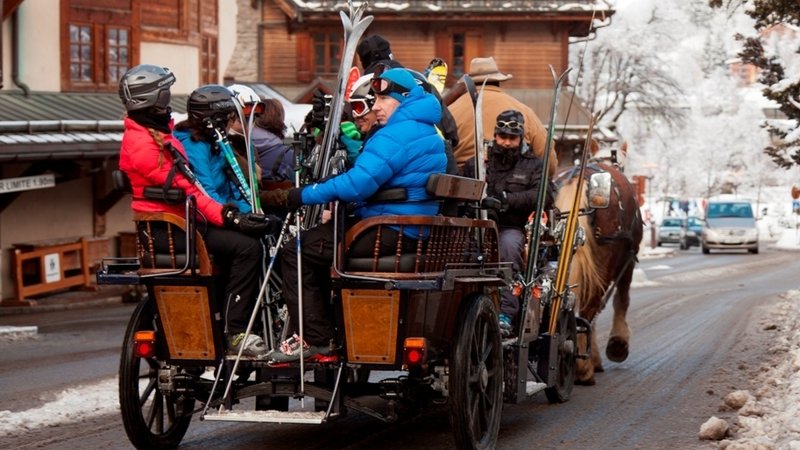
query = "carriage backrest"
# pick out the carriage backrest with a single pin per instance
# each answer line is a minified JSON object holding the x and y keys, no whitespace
{"x":452,"y":190}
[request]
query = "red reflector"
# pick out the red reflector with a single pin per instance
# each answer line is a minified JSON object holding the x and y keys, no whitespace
{"x":414,"y":350}
{"x":144,"y":344}
{"x":537,"y":291}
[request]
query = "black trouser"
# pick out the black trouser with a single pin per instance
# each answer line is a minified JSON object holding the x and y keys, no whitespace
{"x":317,"y":251}
{"x":238,"y":256}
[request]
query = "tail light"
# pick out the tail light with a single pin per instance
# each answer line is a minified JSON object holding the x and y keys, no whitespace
{"x":144,"y":344}
{"x":415,"y":352}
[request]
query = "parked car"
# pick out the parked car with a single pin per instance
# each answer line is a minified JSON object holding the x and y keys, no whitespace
{"x":673,"y":230}
{"x":730,"y":225}
{"x":694,"y":232}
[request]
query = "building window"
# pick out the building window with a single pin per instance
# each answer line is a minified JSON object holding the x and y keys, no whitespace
{"x":118,"y":53}
{"x":98,"y":55}
{"x":327,"y":53}
{"x":458,"y":66}
{"x":208,"y":60}
{"x":80,"y":53}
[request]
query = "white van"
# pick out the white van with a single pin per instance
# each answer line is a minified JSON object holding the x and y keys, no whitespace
{"x":730,"y":225}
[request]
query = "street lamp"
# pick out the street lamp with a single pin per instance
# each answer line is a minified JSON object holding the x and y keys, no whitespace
{"x":649,"y":177}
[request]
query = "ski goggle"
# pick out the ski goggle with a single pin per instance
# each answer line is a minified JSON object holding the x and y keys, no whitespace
{"x":508,"y":125}
{"x":248,"y":109}
{"x":385,"y":87}
{"x":360,"y":106}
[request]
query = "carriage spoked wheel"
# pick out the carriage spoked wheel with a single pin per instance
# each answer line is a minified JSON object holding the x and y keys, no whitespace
{"x":564,"y":359}
{"x":151,"y":418}
{"x":476,"y":375}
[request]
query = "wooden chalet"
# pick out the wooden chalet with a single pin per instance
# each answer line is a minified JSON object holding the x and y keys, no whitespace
{"x":300,"y":42}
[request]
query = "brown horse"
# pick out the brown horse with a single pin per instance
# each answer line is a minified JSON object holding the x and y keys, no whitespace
{"x":605,"y":263}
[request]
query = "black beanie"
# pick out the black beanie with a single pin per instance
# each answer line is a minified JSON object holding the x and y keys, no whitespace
{"x":372,"y":49}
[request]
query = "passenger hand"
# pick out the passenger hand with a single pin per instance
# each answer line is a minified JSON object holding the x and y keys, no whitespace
{"x":294,"y":199}
{"x":251,"y":224}
{"x":275,"y":197}
{"x":316,"y":117}
{"x":499,"y":203}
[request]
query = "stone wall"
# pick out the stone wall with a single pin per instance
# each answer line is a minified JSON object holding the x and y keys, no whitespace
{"x":244,"y":62}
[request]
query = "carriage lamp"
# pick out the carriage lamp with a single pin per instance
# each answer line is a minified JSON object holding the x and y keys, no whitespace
{"x":415,"y":350}
{"x":144,"y":344}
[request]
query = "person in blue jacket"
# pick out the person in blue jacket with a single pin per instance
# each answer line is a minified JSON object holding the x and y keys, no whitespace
{"x":211,"y":106}
{"x":403,"y":153}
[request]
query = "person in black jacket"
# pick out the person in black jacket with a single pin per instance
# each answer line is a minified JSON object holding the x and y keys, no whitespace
{"x":513,"y":175}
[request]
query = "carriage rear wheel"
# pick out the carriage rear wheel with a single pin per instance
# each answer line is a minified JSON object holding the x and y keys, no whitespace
{"x":565,"y":358}
{"x":476,"y":375}
{"x":152,"y":418}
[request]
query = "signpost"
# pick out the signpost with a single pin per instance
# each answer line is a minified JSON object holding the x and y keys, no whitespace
{"x":27,"y":183}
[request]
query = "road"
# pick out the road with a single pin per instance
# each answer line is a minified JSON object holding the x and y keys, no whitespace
{"x":698,"y":334}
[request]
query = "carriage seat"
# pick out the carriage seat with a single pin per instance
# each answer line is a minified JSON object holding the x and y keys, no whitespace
{"x":445,"y":240}
{"x":153,"y":260}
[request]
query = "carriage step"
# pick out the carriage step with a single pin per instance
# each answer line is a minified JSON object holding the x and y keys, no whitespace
{"x":268,"y":416}
{"x":533,"y":387}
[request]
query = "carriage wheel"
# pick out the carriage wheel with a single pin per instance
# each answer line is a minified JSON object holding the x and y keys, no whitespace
{"x":152,"y":419}
{"x":476,"y":375}
{"x":564,"y":359}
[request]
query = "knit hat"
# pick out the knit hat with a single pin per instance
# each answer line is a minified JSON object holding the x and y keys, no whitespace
{"x":395,"y":83}
{"x":372,"y":49}
{"x":510,"y":122}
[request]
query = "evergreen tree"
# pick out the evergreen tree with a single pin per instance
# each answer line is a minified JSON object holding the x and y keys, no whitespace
{"x":785,"y":91}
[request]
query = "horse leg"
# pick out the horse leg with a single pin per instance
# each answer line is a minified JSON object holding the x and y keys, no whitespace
{"x":584,"y":371}
{"x":617,"y":347}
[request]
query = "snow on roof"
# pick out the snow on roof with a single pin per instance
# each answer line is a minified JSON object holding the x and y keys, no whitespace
{"x":460,"y":5}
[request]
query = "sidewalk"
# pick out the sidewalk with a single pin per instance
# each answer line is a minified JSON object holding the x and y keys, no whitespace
{"x":70,"y":299}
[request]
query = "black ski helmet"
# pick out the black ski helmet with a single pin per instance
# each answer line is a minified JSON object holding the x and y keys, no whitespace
{"x":210,"y":102}
{"x":144,"y":86}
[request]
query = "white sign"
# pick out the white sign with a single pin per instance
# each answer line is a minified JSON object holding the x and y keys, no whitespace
{"x":27,"y":183}
{"x":52,"y":268}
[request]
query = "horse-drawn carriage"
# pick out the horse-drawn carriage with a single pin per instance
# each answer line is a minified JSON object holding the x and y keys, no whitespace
{"x":414,"y":329}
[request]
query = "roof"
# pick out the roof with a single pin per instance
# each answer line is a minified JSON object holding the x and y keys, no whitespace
{"x":454,"y":6}
{"x":54,"y":125}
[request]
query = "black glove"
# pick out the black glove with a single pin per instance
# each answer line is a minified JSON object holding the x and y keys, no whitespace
{"x":499,"y":203}
{"x":251,"y":224}
{"x":316,"y":117}
{"x":294,"y":199}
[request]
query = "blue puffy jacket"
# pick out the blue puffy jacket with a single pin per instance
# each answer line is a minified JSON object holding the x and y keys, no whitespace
{"x":403,"y":153}
{"x":210,"y":171}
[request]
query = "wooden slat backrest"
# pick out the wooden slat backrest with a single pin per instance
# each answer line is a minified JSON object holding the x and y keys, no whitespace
{"x":172,"y":220}
{"x":454,"y":187}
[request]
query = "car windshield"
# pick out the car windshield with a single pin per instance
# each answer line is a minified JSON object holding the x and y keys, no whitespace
{"x":671,"y":223}
{"x":720,"y":210}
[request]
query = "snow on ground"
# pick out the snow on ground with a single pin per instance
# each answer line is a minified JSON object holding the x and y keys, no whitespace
{"x":70,"y":406}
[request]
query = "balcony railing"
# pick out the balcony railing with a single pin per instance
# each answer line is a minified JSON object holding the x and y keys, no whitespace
{"x":455,"y":6}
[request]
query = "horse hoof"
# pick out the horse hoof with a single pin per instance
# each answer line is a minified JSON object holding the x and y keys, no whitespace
{"x":599,"y":368}
{"x":617,"y":349}
{"x":589,"y":382}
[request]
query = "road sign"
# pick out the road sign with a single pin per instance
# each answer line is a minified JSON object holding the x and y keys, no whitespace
{"x":27,"y":183}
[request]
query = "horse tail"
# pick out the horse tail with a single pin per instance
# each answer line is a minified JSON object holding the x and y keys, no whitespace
{"x":585,"y":271}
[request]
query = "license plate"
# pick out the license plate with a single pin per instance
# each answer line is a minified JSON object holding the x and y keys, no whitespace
{"x":732,"y":241}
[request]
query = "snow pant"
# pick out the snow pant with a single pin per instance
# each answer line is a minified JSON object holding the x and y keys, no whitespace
{"x":512,"y":243}
{"x":317,"y":252}
{"x":238,"y":256}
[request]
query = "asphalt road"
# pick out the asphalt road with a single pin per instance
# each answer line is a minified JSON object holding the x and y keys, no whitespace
{"x":698,"y":334}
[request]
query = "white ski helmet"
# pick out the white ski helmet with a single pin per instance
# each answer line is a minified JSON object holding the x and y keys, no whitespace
{"x":244,"y":95}
{"x":361,"y":96}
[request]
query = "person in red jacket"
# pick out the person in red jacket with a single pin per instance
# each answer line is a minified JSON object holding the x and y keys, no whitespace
{"x":152,"y":157}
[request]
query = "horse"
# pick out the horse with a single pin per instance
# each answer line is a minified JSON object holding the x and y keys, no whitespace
{"x":605,"y":263}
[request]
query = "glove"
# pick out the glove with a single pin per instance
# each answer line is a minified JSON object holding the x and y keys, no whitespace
{"x":350,"y":130}
{"x":294,"y":199}
{"x":499,"y":203}
{"x":275,"y":197}
{"x":316,"y":117}
{"x":251,"y":224}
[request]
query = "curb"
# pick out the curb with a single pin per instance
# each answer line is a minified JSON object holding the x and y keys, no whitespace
{"x":67,"y":305}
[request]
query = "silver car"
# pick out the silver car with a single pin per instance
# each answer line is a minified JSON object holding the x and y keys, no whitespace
{"x":673,"y":230}
{"x":730,"y":225}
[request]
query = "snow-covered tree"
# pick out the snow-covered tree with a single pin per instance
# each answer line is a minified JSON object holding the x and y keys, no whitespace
{"x":779,"y":68}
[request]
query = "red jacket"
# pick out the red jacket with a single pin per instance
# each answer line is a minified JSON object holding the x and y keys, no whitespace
{"x":147,"y":165}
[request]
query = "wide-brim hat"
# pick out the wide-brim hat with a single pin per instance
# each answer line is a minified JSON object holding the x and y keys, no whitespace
{"x":481,"y":69}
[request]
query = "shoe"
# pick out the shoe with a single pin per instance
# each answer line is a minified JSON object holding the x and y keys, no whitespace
{"x":289,"y":350}
{"x":253,"y":346}
{"x":505,"y":325}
